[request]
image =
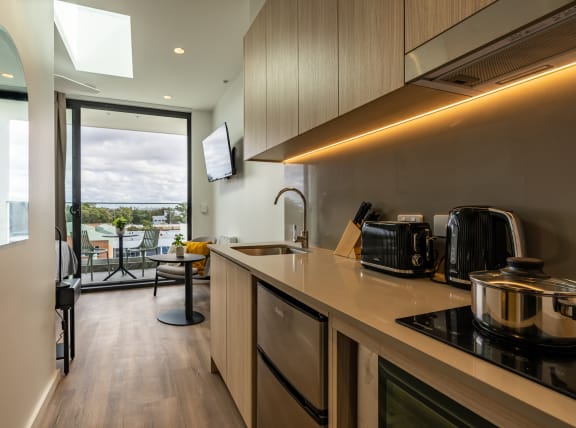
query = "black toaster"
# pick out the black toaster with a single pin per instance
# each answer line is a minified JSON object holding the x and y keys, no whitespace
{"x":397,"y":247}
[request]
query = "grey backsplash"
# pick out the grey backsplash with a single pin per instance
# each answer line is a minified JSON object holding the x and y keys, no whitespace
{"x":514,"y":150}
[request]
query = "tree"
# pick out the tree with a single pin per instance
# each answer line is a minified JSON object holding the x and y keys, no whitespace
{"x":140,"y":216}
{"x":92,"y":214}
{"x":180,"y":212}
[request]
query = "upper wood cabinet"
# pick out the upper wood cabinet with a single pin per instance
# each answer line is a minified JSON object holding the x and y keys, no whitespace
{"x":425,"y":19}
{"x":281,"y":71}
{"x":317,"y":62}
{"x":371,"y":50}
{"x":255,"y":87}
{"x":309,"y":62}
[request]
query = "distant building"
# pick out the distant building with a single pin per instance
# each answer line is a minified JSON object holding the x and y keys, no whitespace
{"x":158,"y":219}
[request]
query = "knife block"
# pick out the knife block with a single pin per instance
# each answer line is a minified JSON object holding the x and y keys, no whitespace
{"x":349,"y":245}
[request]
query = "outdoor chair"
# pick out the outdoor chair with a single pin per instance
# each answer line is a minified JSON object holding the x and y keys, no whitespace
{"x":89,"y":250}
{"x":149,"y":242}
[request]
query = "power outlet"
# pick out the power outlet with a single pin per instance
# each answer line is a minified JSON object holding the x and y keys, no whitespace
{"x":440,"y":224}
{"x":411,"y":217}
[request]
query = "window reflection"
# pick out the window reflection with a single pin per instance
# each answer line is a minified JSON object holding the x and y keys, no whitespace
{"x":13,"y":144}
{"x":13,"y":171}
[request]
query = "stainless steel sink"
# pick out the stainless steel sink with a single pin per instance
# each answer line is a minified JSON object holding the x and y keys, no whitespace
{"x":269,"y":250}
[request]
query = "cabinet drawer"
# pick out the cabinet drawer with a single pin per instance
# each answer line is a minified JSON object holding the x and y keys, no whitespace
{"x":277,"y":407}
{"x":294,"y":337}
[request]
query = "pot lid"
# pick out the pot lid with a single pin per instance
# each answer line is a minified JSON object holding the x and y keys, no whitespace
{"x":524,"y":275}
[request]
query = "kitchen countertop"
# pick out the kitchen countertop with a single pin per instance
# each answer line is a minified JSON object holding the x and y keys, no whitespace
{"x":337,"y":285}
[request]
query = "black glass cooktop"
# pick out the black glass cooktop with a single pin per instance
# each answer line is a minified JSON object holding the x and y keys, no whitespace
{"x":553,"y":368}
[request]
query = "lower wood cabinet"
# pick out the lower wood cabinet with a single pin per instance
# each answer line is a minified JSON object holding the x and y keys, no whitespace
{"x":233,"y":327}
{"x":218,"y":313}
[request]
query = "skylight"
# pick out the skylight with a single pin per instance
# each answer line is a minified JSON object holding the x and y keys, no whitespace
{"x":97,"y":41}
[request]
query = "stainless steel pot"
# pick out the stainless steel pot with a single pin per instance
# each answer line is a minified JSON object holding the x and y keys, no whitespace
{"x":522,"y":302}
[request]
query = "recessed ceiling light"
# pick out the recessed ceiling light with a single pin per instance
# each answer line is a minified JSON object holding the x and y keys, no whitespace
{"x":167,"y":97}
{"x":8,"y":75}
{"x":178,"y":51}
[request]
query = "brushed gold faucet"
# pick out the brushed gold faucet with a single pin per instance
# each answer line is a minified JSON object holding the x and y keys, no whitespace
{"x":303,"y":237}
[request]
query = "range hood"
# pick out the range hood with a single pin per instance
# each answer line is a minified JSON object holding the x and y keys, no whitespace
{"x":504,"y":42}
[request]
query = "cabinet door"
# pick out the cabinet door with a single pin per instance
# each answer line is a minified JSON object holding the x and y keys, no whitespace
{"x":241,"y":340}
{"x":282,"y":71}
{"x":218,"y":312}
{"x":425,"y":19}
{"x":255,"y":86}
{"x":317,"y":62}
{"x":371,"y":50}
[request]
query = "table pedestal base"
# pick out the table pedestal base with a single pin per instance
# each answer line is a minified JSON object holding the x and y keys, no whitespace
{"x":178,"y":317}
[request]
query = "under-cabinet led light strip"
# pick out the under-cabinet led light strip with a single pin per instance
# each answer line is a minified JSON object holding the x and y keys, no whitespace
{"x":439,"y":109}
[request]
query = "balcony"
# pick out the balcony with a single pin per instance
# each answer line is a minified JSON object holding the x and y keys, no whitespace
{"x":167,"y":218}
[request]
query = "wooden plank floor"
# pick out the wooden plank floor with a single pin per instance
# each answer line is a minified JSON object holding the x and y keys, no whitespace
{"x":132,"y":371}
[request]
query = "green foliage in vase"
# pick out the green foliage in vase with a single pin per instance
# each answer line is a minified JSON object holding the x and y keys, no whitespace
{"x":178,"y":240}
{"x":120,"y":222}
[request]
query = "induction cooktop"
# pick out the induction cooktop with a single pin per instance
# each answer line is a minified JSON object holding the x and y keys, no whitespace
{"x":554,"y":368}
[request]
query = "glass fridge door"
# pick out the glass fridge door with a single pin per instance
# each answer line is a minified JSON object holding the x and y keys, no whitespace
{"x":404,"y":401}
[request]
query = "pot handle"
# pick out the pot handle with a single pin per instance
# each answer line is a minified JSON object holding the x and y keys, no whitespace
{"x":515,"y":229}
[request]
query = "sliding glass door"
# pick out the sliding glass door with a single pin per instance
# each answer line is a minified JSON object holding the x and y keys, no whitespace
{"x":131,"y":164}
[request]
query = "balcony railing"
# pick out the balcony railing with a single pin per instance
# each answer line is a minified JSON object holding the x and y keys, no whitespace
{"x":169,"y":218}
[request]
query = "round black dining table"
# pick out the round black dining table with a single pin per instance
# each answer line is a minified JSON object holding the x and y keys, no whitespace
{"x":186,"y":316}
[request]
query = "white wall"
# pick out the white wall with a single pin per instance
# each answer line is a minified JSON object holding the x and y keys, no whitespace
{"x":202,"y":223}
{"x":243,"y":205}
{"x":255,"y":6}
{"x":27,"y":360}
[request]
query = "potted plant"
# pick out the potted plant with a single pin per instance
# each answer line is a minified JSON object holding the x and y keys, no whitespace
{"x":179,"y":245}
{"x":120,"y":224}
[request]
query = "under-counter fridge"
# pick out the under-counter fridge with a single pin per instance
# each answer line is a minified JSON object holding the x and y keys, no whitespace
{"x":292,"y":367}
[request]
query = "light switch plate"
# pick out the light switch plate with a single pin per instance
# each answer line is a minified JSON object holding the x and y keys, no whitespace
{"x":440,"y":223}
{"x":204,"y":208}
{"x":410,"y":217}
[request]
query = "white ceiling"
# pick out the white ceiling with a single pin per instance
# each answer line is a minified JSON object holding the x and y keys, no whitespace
{"x":210,"y":31}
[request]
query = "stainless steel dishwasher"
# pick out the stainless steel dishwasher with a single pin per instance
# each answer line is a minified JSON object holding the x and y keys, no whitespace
{"x":292,"y":364}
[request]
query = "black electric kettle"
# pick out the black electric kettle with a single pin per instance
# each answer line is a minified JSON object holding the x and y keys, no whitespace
{"x":480,"y":238}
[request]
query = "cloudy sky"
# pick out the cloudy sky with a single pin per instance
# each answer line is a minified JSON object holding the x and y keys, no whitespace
{"x":131,"y":166}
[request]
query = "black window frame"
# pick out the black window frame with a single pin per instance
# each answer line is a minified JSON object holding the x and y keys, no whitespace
{"x":76,"y":106}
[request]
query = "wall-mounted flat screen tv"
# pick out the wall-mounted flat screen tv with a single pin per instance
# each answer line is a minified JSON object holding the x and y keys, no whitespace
{"x":218,"y":156}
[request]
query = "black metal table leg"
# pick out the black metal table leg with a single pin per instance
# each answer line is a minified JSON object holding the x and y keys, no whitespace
{"x":120,"y":267}
{"x":186,"y":316}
